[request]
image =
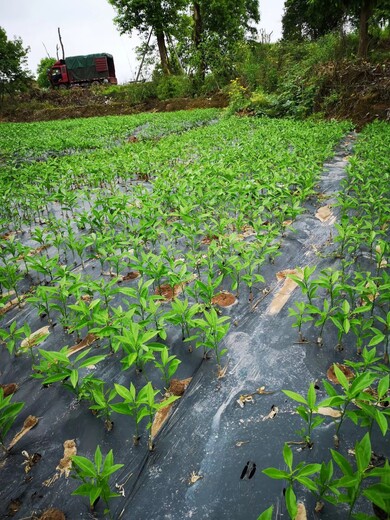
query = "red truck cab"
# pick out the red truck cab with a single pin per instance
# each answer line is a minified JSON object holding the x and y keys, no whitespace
{"x":58,"y":75}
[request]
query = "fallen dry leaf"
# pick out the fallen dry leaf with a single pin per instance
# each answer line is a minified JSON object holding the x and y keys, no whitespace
{"x":272,"y":414}
{"x":324,"y":213}
{"x":222,"y":372}
{"x":84,"y":343}
{"x":12,"y":303}
{"x":241,"y":443}
{"x":65,"y":465}
{"x":178,"y":386}
{"x":328,"y":411}
{"x":9,"y":389}
{"x":282,"y":296}
{"x":194,"y":477}
{"x":35,"y":337}
{"x":245,"y":398}
{"x":28,"y":425}
{"x":159,"y":419}
{"x":301,"y":513}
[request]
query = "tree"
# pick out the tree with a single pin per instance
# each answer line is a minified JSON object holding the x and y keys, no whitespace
{"x":43,"y":66}
{"x":159,"y":16}
{"x":314,"y":18}
{"x":303,"y":19}
{"x":13,"y":58}
{"x":218,"y":26}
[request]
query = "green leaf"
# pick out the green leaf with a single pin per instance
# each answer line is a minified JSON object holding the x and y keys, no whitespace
{"x":296,"y":397}
{"x":383,"y":386}
{"x":342,"y":463}
{"x":74,"y":377}
{"x":85,"y":465}
{"x":92,"y":361}
{"x":98,"y":458}
{"x":379,"y":494}
{"x":94,"y":494}
{"x":288,"y":456}
{"x":276,"y":474}
{"x":267,"y":514}
{"x":311,"y":397}
{"x":83,"y":490}
{"x":291,"y":502}
{"x":363,"y":453}
{"x":341,"y":377}
{"x":309,"y":469}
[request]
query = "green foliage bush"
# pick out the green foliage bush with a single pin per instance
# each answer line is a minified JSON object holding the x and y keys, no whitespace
{"x":173,"y":87}
{"x":132,"y":93}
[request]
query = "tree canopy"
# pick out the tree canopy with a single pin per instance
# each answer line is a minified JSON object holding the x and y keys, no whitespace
{"x":206,"y":29}
{"x":13,"y":58}
{"x":158,"y":16}
{"x":314,"y":18}
{"x":43,"y":66}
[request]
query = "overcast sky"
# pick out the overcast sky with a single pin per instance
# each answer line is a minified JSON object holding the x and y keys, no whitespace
{"x":87,"y":27}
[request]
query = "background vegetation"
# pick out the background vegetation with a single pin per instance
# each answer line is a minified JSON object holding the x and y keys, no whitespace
{"x":332,"y":61}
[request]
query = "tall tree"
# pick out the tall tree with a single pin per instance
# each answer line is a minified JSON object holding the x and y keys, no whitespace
{"x":313,"y":18}
{"x":13,"y":59}
{"x":218,"y":25}
{"x":303,"y":19}
{"x":158,"y":16}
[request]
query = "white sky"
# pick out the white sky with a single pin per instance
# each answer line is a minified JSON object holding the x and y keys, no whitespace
{"x":87,"y":27}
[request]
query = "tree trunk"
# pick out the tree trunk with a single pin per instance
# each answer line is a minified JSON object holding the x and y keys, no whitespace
{"x":365,"y":14}
{"x":198,"y":36}
{"x":162,"y":48}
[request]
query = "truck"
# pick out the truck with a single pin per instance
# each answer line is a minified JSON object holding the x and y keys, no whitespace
{"x":82,"y":71}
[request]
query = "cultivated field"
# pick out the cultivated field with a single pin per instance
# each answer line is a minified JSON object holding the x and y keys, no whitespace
{"x":164,"y":278}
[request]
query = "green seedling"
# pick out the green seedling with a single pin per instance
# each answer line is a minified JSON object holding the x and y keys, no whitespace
{"x":58,"y":366}
{"x":299,"y":314}
{"x":302,"y":279}
{"x":95,"y":477}
{"x":8,"y":414}
{"x":307,"y":410}
{"x":379,"y":493}
{"x":341,"y":319}
{"x":183,"y":314}
{"x":140,"y":405}
{"x":167,"y":365}
{"x":212,"y":329}
{"x":10,"y":278}
{"x":10,"y":338}
{"x":135,"y":342}
{"x":352,"y":480}
{"x":298,"y":475}
{"x":93,"y":390}
{"x":382,"y":336}
{"x":352,"y":390}
{"x":322,"y":314}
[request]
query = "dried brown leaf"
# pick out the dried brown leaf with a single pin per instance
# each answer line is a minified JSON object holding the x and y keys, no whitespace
{"x":28,"y":425}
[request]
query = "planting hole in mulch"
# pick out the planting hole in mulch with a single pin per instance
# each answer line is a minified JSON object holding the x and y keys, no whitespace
{"x":14,"y":506}
{"x":52,"y":514}
{"x":207,"y":240}
{"x":132,"y":275}
{"x":167,"y":292}
{"x":348,"y":372}
{"x":9,"y":389}
{"x":224,"y":299}
{"x":179,"y":386}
